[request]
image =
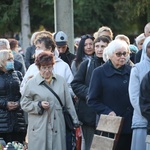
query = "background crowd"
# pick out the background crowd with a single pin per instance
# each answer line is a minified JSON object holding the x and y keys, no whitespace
{"x":103,"y":75}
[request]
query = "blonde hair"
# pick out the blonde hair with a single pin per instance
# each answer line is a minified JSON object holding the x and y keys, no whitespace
{"x":123,"y":37}
{"x":106,"y":29}
{"x":140,"y":38}
{"x":43,"y":34}
{"x":33,"y":37}
{"x":5,"y":54}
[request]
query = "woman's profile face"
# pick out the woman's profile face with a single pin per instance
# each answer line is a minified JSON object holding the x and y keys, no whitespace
{"x":140,"y":44}
{"x":119,"y":57}
{"x":46,"y":71}
{"x":88,"y":47}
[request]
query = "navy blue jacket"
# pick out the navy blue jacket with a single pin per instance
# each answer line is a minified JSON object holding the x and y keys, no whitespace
{"x":80,"y":86}
{"x":108,"y":91}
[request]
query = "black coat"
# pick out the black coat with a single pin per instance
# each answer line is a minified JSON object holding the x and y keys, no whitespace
{"x":67,"y":57}
{"x":145,"y":99}
{"x":80,"y":86}
{"x":138,"y":56}
{"x":19,"y":67}
{"x":108,"y":91}
{"x":30,"y":56}
{"x":9,"y":91}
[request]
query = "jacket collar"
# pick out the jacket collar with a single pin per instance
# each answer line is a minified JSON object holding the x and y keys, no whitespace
{"x":40,"y":80}
{"x":109,"y":70}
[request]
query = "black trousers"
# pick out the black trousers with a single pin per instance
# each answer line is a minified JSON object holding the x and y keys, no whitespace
{"x":13,"y":136}
{"x":124,"y":142}
{"x":70,"y":140}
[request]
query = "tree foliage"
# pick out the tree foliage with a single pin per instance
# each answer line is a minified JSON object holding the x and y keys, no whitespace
{"x":121,"y":16}
{"x":10,"y":16}
{"x":42,"y":14}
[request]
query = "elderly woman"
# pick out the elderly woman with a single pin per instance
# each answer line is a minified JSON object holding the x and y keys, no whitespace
{"x":12,"y":123}
{"x":46,"y":126}
{"x":108,"y":90}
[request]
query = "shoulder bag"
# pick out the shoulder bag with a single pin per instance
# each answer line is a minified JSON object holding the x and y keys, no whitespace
{"x":67,"y":116}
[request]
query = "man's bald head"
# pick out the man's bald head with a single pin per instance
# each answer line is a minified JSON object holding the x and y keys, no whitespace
{"x":147,"y":29}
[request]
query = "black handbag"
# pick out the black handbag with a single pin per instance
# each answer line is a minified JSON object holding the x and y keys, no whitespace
{"x":67,"y":116}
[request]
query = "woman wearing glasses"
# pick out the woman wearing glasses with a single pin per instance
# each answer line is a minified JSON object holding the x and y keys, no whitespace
{"x":108,"y":90}
{"x":46,"y":126}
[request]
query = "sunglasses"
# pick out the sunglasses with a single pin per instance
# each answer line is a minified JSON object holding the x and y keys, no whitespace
{"x":87,"y":36}
{"x":119,"y":54}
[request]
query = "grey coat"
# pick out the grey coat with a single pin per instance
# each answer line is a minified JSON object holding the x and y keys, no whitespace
{"x":46,"y":131}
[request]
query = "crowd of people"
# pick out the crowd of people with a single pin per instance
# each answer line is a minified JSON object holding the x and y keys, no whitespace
{"x":105,"y":75}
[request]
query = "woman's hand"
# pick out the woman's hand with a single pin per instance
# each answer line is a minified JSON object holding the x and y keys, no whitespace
{"x":45,"y":105}
{"x":112,"y":113}
{"x":12,"y":105}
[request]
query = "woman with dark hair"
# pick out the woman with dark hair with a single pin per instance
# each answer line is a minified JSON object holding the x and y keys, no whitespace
{"x":45,"y":115}
{"x":14,"y":48}
{"x":85,"y":51}
{"x":80,"y":86}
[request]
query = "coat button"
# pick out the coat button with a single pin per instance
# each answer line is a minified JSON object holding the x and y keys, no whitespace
{"x":125,"y":81}
{"x":55,"y":131}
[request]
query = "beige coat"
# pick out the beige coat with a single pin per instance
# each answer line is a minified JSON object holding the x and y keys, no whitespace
{"x":46,"y":131}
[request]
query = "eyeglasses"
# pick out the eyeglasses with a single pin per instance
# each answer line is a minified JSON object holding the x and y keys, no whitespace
{"x":87,"y":36}
{"x":43,"y":68}
{"x":119,"y":54}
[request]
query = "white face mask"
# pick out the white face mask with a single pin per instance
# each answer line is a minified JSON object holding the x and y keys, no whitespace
{"x":38,"y":51}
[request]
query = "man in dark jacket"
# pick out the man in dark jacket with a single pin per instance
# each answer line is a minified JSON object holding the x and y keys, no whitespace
{"x":61,"y":40}
{"x":145,"y":99}
{"x":30,"y":56}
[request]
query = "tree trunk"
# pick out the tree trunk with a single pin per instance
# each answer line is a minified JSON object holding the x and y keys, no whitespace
{"x":25,"y":24}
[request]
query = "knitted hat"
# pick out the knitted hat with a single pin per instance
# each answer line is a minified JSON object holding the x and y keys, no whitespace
{"x":133,"y":48}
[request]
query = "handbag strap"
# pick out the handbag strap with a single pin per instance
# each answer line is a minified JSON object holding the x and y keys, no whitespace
{"x":53,"y":93}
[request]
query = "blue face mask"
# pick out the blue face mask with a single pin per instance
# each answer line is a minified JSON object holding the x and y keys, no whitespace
{"x":9,"y":65}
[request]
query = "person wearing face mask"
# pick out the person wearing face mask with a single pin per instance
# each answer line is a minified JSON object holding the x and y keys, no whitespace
{"x":44,"y":42}
{"x":12,"y":122}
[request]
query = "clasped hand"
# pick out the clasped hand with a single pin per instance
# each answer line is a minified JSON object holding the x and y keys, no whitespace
{"x":45,"y":104}
{"x":12,"y":105}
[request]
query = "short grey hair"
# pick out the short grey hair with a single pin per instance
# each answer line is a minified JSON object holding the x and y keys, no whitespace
{"x":4,"y":44}
{"x":114,"y":45}
{"x":33,"y":37}
{"x":4,"y":56}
